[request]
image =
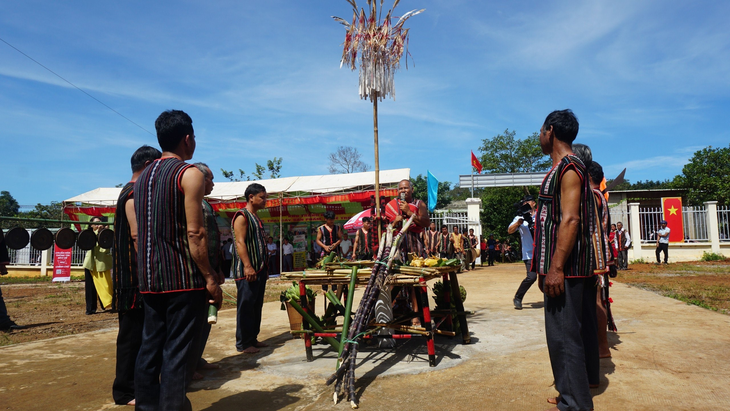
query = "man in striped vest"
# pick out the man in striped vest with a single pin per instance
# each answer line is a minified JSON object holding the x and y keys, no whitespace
{"x":563,"y":260}
{"x":127,"y":299}
{"x":175,"y":277}
{"x":249,"y":269}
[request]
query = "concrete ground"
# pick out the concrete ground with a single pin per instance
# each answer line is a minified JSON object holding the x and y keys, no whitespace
{"x":666,"y":355}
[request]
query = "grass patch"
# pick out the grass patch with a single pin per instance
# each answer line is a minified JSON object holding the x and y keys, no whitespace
{"x":33,"y":280}
{"x":704,"y":284}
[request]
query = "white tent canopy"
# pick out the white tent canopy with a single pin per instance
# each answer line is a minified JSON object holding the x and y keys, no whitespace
{"x":309,"y":185}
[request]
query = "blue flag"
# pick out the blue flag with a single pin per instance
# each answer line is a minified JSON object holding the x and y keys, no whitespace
{"x":433,"y":191}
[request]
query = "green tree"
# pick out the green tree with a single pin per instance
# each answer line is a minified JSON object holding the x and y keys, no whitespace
{"x":498,"y":209}
{"x":9,"y":207}
{"x":420,"y":191}
{"x":706,"y":176}
{"x":273,"y":167}
{"x":504,"y":153}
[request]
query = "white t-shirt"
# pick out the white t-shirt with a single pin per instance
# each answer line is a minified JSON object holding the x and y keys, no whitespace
{"x":663,"y":232}
{"x":287,"y":249}
{"x":525,"y":238}
{"x":345,"y":245}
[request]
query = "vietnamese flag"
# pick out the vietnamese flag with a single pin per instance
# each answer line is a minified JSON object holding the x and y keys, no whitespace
{"x":672,"y":208}
{"x":475,"y":163}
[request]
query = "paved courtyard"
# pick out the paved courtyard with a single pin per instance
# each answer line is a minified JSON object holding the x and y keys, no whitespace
{"x":666,"y":355}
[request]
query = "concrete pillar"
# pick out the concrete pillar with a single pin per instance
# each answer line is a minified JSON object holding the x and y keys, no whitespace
{"x":635,"y":232}
{"x":473,"y":210}
{"x":45,"y":258}
{"x":713,"y":228}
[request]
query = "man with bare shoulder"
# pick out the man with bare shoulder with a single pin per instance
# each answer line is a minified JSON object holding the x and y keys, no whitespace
{"x":127,"y":299}
{"x":562,"y":236}
{"x":175,"y":277}
{"x":249,"y":269}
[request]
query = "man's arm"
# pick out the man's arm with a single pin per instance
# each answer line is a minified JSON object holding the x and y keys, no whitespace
{"x":193,"y":187}
{"x":354,"y":242}
{"x":319,"y":241}
{"x":515,"y":225}
{"x":567,"y":232}
{"x":131,"y":220}
{"x":240,"y":226}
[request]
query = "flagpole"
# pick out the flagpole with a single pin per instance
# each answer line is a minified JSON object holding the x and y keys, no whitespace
{"x":472,"y":180}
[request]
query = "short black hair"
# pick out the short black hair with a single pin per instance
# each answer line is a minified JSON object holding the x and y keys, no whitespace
{"x":143,"y":155}
{"x":564,"y":123}
{"x":253,"y":189}
{"x":172,"y":126}
{"x":366,"y":220}
{"x":596,"y":172}
{"x":329,"y":214}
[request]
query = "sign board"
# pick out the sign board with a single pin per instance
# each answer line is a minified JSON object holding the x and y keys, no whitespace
{"x":61,"y":264}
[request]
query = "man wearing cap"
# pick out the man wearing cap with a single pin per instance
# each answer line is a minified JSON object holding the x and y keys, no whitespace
{"x":662,"y":242}
{"x":519,"y":223}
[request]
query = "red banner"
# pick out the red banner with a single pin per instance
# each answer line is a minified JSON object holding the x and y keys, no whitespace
{"x":672,"y":207}
{"x":475,"y":163}
{"x":62,"y":264}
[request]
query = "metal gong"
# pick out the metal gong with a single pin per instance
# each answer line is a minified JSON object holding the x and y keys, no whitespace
{"x":86,"y":240}
{"x":65,"y":238}
{"x":41,"y":239}
{"x":106,"y":238}
{"x":17,"y":238}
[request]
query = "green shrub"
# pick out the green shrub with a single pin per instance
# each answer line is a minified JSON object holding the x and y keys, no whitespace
{"x":638,"y":261}
{"x":711,"y":257}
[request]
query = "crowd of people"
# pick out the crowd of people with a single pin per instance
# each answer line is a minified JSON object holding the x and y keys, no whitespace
{"x":168,"y":267}
{"x":169,"y":263}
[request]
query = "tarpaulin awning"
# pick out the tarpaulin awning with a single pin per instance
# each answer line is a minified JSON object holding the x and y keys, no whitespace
{"x":293,"y":198}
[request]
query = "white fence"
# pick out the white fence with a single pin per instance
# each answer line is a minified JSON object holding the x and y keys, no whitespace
{"x":450,"y":219}
{"x":723,"y":223}
{"x":706,"y":230}
{"x":694,"y":218}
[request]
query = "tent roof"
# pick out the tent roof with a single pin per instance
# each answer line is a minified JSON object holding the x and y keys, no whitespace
{"x":300,"y":186}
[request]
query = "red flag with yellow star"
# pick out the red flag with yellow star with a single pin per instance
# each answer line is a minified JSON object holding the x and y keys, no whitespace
{"x":475,"y":163}
{"x":672,"y":207}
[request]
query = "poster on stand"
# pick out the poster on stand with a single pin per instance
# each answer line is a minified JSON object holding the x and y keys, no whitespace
{"x":62,"y":264}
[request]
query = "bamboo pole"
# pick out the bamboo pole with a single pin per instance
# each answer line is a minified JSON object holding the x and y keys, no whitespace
{"x":377,"y":161}
{"x":346,"y":319}
{"x":306,"y":317}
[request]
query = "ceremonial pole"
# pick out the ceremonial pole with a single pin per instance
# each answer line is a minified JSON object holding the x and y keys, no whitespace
{"x":377,"y":164}
{"x":377,"y":45}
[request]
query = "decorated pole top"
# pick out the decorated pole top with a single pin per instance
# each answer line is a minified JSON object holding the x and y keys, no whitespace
{"x":378,"y":45}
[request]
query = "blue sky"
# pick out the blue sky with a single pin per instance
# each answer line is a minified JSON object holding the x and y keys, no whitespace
{"x":648,"y":80}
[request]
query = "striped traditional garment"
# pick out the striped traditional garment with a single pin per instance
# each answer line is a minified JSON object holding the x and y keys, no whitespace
{"x":367,"y":244}
{"x":330,"y":237}
{"x":445,"y":245}
{"x":549,"y":214}
{"x":165,"y":263}
{"x":124,"y":276}
{"x":255,"y":244}
{"x":213,"y":235}
{"x":431,"y":240}
{"x":602,"y":252}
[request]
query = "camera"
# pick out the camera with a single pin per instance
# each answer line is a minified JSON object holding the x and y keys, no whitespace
{"x":524,"y":211}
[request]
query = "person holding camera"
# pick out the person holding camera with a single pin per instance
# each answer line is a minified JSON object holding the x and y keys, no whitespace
{"x":524,"y":223}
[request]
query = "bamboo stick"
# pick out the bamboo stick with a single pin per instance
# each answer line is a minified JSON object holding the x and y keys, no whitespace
{"x":334,"y":343}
